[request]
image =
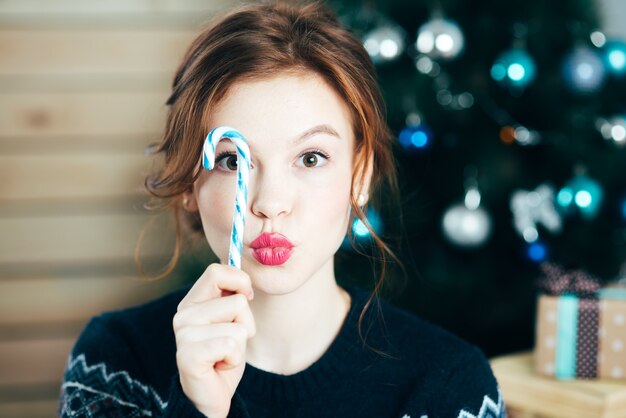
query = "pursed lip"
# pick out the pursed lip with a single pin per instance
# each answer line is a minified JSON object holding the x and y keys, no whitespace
{"x":271,"y":240}
{"x":271,"y":249}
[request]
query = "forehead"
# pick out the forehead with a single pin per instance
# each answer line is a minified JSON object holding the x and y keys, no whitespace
{"x":282,"y":107}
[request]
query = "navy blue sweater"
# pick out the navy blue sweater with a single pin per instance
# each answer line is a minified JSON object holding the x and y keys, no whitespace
{"x":124,"y":365}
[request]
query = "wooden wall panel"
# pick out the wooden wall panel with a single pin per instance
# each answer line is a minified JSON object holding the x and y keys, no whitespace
{"x":42,"y":300}
{"x":99,"y":51}
{"x":84,"y":238}
{"x":83,"y":86}
{"x":33,"y":361}
{"x":33,"y":176}
{"x":81,"y":114}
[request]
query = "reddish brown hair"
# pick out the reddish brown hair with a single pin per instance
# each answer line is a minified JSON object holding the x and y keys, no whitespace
{"x":256,"y":41}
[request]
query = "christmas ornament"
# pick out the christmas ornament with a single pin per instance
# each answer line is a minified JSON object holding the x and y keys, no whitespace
{"x":520,"y":135}
{"x":581,"y":194}
{"x":385,"y":43}
{"x":514,"y":68}
{"x":467,"y":225}
{"x":613,"y":129}
{"x":360,"y":232}
{"x":531,"y":208}
{"x":598,"y":39}
{"x":440,"y":38}
{"x":623,"y":208}
{"x":452,"y":101}
{"x":427,"y":66}
{"x":359,"y":228}
{"x":537,"y":252}
{"x":415,"y":135}
{"x":583,"y":70}
{"x":615,"y":56}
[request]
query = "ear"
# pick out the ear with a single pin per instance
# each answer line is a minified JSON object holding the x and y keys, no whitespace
{"x":362,"y":187}
{"x":189,"y":201}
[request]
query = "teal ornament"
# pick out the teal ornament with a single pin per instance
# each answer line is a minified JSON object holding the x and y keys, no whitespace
{"x":360,"y":231}
{"x":583,"y":71}
{"x":514,"y":68}
{"x":615,"y":56}
{"x":581,"y":194}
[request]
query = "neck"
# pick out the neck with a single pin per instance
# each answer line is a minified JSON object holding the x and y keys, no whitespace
{"x":294,"y":330}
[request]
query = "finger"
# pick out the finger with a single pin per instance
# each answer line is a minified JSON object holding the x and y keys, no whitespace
{"x":216,"y":279}
{"x":197,"y":359}
{"x":197,"y":333}
{"x":234,"y":308}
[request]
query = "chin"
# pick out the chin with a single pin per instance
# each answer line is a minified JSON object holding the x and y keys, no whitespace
{"x":273,"y":280}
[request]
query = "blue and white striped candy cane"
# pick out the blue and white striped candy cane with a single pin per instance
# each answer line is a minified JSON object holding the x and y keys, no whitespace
{"x":243,"y":173}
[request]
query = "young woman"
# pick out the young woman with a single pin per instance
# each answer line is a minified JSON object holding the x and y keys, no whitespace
{"x":278,"y":338}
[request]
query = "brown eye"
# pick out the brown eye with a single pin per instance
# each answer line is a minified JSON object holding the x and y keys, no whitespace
{"x":309,"y":159}
{"x":231,"y":163}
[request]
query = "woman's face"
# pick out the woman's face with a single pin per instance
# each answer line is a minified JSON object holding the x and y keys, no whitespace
{"x":301,"y":142}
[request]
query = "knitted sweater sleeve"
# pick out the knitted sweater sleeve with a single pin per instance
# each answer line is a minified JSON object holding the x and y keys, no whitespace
{"x":102,"y":379}
{"x":469,"y":390}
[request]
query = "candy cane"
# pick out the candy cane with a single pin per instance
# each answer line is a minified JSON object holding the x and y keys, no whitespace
{"x":243,"y":172}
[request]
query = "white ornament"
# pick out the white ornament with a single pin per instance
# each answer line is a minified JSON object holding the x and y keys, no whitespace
{"x":531,"y":208}
{"x":440,"y":38}
{"x":385,"y":43}
{"x":467,"y":225}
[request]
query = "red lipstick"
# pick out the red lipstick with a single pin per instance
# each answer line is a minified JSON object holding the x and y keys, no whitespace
{"x":271,"y":249}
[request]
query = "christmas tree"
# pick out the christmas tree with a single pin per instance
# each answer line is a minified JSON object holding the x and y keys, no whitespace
{"x":512,"y":152}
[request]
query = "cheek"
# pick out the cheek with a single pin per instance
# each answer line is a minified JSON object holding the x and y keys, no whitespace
{"x":329,"y":204}
{"x":216,"y":205}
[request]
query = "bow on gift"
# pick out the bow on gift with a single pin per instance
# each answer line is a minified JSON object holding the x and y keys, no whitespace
{"x":558,"y":281}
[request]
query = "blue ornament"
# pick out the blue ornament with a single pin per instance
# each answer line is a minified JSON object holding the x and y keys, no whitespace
{"x":615,"y":56}
{"x":581,"y":194}
{"x":583,"y":70}
{"x":514,"y":68}
{"x":537,"y":252}
{"x":623,"y":208}
{"x":415,"y":137}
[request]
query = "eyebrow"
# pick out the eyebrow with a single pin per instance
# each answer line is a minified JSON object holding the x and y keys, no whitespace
{"x":319,"y":129}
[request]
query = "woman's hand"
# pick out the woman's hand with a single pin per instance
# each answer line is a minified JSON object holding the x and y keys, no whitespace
{"x":212,"y":326}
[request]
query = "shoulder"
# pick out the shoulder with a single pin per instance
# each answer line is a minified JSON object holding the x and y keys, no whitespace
{"x":134,"y":339}
{"x":448,"y":373}
{"x":413,"y":335}
{"x":152,"y":312}
{"x":138,"y":325}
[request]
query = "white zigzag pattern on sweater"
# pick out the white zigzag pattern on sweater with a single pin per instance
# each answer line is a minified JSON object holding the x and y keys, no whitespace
{"x":99,"y":371}
{"x":489,"y":408}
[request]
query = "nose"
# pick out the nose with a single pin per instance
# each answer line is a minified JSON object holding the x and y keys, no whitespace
{"x":271,"y":196}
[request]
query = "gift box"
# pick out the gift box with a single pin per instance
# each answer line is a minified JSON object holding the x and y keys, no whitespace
{"x":580,"y":327}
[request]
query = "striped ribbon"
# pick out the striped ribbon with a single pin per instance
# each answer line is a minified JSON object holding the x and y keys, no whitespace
{"x":243,"y":173}
{"x":577,"y":337}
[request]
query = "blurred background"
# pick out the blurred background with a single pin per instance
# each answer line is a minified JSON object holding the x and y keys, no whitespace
{"x":512,"y":151}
